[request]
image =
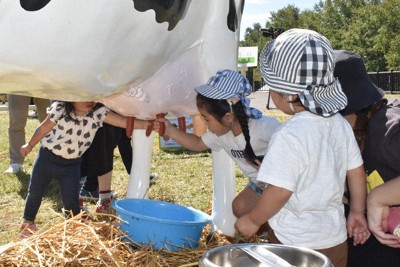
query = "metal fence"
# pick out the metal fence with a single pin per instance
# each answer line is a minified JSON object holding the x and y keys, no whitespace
{"x":387,"y":80}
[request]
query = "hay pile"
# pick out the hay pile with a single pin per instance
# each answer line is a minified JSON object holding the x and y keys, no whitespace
{"x":97,"y":241}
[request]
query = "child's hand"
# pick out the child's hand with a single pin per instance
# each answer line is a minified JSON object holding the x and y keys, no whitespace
{"x":246,"y":226}
{"x":357,"y":227}
{"x":26,"y":149}
{"x":157,"y":126}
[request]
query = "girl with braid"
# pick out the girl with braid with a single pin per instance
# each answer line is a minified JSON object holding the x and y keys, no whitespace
{"x":242,"y":131}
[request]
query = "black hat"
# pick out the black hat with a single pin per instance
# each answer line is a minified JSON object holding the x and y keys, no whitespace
{"x":356,"y":84}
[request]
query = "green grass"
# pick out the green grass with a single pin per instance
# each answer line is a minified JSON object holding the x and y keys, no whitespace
{"x":183,"y":177}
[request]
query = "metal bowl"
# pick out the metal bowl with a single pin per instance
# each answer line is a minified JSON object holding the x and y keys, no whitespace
{"x":263,"y":255}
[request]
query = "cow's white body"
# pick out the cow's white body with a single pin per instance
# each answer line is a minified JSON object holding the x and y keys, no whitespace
{"x":109,"y":52}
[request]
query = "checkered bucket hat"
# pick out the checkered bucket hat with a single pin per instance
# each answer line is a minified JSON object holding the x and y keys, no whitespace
{"x":301,"y":62}
{"x":228,"y":84}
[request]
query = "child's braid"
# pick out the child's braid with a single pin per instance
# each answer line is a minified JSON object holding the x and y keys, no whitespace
{"x":243,"y":121}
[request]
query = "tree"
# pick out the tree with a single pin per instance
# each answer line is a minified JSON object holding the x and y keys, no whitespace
{"x":360,"y":37}
{"x":359,"y":26}
{"x":387,"y":38}
{"x":286,"y":18}
{"x":253,"y":37}
{"x":370,"y":28}
{"x":310,"y":20}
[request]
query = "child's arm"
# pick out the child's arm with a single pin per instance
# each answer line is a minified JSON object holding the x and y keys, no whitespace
{"x":118,"y":120}
{"x":357,"y":226}
{"x":187,"y":140}
{"x":378,"y":202}
{"x":41,"y":131}
{"x":272,"y":200}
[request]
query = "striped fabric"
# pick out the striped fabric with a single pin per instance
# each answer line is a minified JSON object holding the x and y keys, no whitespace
{"x":228,"y":84}
{"x":301,"y":62}
{"x":225,"y":84}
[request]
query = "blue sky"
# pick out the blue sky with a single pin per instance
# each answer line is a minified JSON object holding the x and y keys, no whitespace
{"x":259,"y":10}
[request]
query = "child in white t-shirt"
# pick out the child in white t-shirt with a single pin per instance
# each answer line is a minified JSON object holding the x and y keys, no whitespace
{"x":309,"y":157}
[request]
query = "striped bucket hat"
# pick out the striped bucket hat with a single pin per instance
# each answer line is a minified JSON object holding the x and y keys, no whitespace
{"x":301,"y":62}
{"x":228,"y":84}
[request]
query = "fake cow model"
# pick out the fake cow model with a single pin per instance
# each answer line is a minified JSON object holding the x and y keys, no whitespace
{"x":141,"y":58}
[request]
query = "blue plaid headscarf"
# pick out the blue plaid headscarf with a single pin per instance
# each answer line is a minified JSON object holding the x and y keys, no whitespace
{"x":227,"y":84}
{"x":302,"y":62}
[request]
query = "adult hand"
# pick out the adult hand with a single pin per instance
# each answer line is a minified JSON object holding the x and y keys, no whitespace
{"x":379,"y":201}
{"x":378,"y":225}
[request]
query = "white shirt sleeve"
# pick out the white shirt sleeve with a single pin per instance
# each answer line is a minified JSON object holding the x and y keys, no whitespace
{"x":211,"y":141}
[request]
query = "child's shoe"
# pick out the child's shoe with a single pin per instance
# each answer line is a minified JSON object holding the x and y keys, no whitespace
{"x":104,"y":206}
{"x":26,"y":230}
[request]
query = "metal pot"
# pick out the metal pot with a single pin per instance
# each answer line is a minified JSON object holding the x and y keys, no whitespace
{"x":249,"y":255}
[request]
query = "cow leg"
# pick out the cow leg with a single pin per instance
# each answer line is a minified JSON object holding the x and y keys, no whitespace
{"x":223,"y":194}
{"x":139,"y":179}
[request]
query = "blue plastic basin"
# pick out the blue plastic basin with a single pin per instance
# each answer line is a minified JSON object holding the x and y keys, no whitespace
{"x":160,"y":224}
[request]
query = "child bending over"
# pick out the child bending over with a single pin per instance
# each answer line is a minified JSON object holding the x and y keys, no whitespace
{"x":242,"y":131}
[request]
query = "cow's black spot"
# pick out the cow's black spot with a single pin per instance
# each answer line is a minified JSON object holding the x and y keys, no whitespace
{"x":33,"y":5}
{"x":171,"y":11}
{"x":232,"y":19}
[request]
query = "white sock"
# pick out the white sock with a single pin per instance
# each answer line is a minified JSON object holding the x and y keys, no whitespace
{"x":105,"y":194}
